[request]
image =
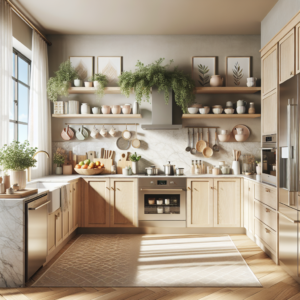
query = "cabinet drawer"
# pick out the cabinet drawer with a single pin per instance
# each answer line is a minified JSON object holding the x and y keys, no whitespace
{"x":266,"y":235}
{"x":266,"y":194}
{"x":266,"y":215}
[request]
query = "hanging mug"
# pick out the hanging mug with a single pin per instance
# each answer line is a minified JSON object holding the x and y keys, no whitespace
{"x":94,"y":133}
{"x":113,"y":132}
{"x":104,"y":132}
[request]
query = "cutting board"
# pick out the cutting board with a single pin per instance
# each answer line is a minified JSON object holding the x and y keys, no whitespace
{"x":81,"y":158}
{"x":91,"y":155}
{"x":74,"y":163}
{"x":20,"y":194}
{"x":123,"y":162}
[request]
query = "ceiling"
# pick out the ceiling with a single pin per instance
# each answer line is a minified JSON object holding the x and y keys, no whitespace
{"x":147,"y":16}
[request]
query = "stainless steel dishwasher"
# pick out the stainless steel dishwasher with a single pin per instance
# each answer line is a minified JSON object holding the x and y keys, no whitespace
{"x":36,"y":234}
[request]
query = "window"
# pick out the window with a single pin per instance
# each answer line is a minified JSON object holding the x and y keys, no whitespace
{"x":18,"y":117}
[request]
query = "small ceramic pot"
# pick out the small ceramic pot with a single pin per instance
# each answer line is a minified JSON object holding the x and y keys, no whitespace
{"x":18,"y":177}
{"x":85,"y":109}
{"x":258,"y":169}
{"x":229,"y":111}
{"x":241,"y":109}
{"x":116,"y":109}
{"x":217,"y":110}
{"x":126,"y":110}
{"x":136,"y":108}
{"x":204,"y":110}
{"x":96,"y":83}
{"x":59,"y":170}
{"x":251,"y":81}
{"x":105,"y":109}
{"x":77,"y":82}
{"x":241,"y":103}
{"x":88,"y":84}
{"x":216,"y":80}
{"x":229,"y":104}
{"x":224,"y":131}
{"x":96,"y":110}
{"x":251,"y":109}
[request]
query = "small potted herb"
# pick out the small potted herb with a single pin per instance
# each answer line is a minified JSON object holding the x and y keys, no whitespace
{"x":100,"y":82}
{"x":134,"y":158}
{"x":89,"y":82}
{"x":59,"y":160}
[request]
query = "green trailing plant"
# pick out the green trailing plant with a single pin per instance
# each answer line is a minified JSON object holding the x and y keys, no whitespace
{"x":237,"y":73}
{"x":134,"y":157}
{"x":17,"y":156}
{"x":157,"y":75}
{"x":58,"y":159}
{"x":102,"y":83}
{"x":59,"y":84}
{"x":203,"y":77}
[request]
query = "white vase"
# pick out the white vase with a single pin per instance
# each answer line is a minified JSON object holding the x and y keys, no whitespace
{"x":135,"y":108}
{"x":134,"y":167}
{"x":77,"y":82}
{"x":236,"y":167}
{"x":59,"y":170}
{"x":258,"y":170}
{"x":18,"y":177}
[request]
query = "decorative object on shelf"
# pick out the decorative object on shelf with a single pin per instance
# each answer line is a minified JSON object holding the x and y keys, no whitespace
{"x":83,"y":65}
{"x":229,"y":104}
{"x":126,"y":109}
{"x":251,"y":109}
{"x":225,"y":170}
{"x":17,"y":157}
{"x":58,"y":107}
{"x":217,"y":109}
{"x":248,"y":164}
{"x":73,"y":107}
{"x":258,"y":168}
{"x":193,"y":110}
{"x":196,"y":105}
{"x":237,"y":70}
{"x":205,"y":110}
{"x":59,"y":159}
{"x":155,"y":75}
{"x":77,"y":82}
{"x":94,"y":132}
{"x":10,"y":190}
{"x":136,"y":143}
{"x":251,"y":82}
{"x":135,"y":108}
{"x":241,"y":133}
{"x":203,"y":67}
{"x":201,"y":144}
{"x":111,"y":67}
{"x":116,"y":109}
{"x":134,"y":158}
{"x":82,"y":133}
{"x":100,"y":82}
{"x":229,"y":110}
{"x":216,"y":170}
{"x":105,"y":109}
{"x":6,"y":181}
{"x":96,"y":110}
{"x":88,"y":83}
{"x":85,"y":109}
{"x":104,"y":132}
{"x":59,"y":85}
{"x":113,"y":132}
{"x":224,"y":137}
{"x":67,"y":133}
{"x":216,"y":81}
{"x":241,"y":106}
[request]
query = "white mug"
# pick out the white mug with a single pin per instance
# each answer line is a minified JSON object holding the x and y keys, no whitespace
{"x":113,"y":132}
{"x":241,"y":103}
{"x":94,"y":133}
{"x":241,"y":109}
{"x":96,"y":110}
{"x":104,"y":132}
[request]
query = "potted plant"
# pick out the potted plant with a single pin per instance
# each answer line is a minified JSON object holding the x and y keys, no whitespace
{"x":17,"y":157}
{"x":100,"y":82}
{"x":59,"y":160}
{"x":134,"y":158}
{"x":156,"y":75}
{"x":89,"y":82}
{"x":60,"y":83}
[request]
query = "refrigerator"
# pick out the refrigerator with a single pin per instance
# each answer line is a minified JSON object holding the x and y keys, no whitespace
{"x":289,"y":188}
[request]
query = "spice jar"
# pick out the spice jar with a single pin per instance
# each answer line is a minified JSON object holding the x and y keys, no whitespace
{"x":216,"y":170}
{"x":251,"y":109}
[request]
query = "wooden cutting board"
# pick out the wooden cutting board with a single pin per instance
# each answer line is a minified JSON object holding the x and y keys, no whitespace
{"x":123,"y":162}
{"x":81,"y":158}
{"x":91,"y":155}
{"x":20,"y":194}
{"x":74,"y":163}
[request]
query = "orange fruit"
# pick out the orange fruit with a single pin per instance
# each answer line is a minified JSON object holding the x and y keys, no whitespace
{"x":78,"y":167}
{"x":84,"y":167}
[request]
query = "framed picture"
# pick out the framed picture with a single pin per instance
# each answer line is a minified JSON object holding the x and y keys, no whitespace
{"x":203,"y":67}
{"x":84,"y":65}
{"x":237,"y":70}
{"x":111,"y":66}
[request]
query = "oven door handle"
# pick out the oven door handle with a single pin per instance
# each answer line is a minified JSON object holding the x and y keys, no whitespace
{"x":164,"y":190}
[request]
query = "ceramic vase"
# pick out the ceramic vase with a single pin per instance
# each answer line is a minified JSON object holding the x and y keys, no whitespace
{"x":135,"y":108}
{"x":18,"y":177}
{"x":77,"y":82}
{"x":134,"y":167}
{"x":216,"y":80}
{"x":59,"y":170}
{"x":258,"y":170}
{"x":236,"y":167}
{"x":6,"y":181}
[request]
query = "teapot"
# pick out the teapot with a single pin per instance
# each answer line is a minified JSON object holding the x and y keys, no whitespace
{"x":216,"y":80}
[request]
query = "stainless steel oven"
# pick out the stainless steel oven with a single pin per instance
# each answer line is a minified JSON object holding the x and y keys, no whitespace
{"x":268,"y":164}
{"x":162,"y":202}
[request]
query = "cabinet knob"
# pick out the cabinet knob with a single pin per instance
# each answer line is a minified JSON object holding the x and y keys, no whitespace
{"x":291,"y":73}
{"x":73,"y":189}
{"x":249,"y":189}
{"x":70,"y":191}
{"x":211,"y":187}
{"x":268,"y":190}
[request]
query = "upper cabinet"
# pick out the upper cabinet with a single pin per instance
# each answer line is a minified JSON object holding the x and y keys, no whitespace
{"x":287,"y":56}
{"x":298,"y":48}
{"x":269,"y":71}
{"x":269,"y":113}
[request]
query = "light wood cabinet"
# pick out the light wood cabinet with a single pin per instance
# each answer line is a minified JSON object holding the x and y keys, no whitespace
{"x":251,"y":207}
{"x":58,"y":227}
{"x":297,"y":33}
{"x":76,"y":198}
{"x":246,"y":203}
{"x":269,"y":113}
{"x":227,"y":202}
{"x":71,"y":213}
{"x":54,"y":230}
{"x":287,"y":56}
{"x":65,"y":222}
{"x":269,"y":70}
{"x":200,"y":202}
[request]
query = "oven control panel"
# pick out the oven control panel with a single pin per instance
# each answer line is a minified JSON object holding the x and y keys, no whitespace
{"x":162,"y":182}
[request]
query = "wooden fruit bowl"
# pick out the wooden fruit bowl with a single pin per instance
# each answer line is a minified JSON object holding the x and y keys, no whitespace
{"x":89,"y":171}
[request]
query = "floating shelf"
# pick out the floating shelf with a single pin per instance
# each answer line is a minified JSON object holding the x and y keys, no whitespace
{"x":99,"y":116}
{"x":220,"y":116}
{"x":92,"y":90}
{"x":227,"y":90}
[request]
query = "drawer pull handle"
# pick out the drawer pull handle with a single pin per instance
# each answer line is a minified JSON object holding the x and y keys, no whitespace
{"x":291,"y":73}
{"x":267,"y":230}
{"x":118,"y":189}
{"x":268,"y":210}
{"x":73,"y":189}
{"x":195,"y":189}
{"x":268,"y":190}
{"x":112,"y":188}
{"x":107,"y":188}
{"x":189,"y":188}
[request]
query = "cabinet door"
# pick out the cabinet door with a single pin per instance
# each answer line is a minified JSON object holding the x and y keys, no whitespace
{"x":269,"y":113}
{"x":76,"y":204}
{"x":251,"y":207}
{"x":65,"y":222}
{"x":269,"y":71}
{"x":58,"y":227}
{"x":123,"y":203}
{"x":51,"y":232}
{"x":246,"y":204}
{"x":96,"y":203}
{"x":200,"y":203}
{"x":287,"y":56}
{"x":227,"y":202}
{"x":71,"y":213}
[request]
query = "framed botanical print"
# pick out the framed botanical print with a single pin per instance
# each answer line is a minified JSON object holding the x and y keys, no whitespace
{"x":203,"y":67}
{"x":84,"y":65}
{"x":111,"y":66}
{"x":237,"y":70}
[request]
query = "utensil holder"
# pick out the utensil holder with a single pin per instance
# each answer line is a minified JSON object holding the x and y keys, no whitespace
{"x":236,"y":167}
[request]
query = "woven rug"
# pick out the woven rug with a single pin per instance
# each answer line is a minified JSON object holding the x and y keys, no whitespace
{"x":131,"y":260}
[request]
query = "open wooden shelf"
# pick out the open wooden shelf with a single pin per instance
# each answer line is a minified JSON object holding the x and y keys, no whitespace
{"x":99,"y":116}
{"x":227,"y":90}
{"x":92,"y":90}
{"x":220,"y":116}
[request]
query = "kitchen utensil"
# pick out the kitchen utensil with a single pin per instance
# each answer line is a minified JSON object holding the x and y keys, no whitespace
{"x":105,"y":109}
{"x":155,"y":171}
{"x":94,"y":133}
{"x":217,"y":110}
{"x":251,"y":81}
{"x":136,"y":142}
{"x":201,"y":144}
{"x":113,"y":132}
{"x":246,"y":131}
{"x":251,"y":109}
{"x":225,"y":169}
{"x":126,"y":109}
{"x":224,"y":137}
{"x":149,"y":171}
{"x":207,"y":151}
{"x":126,"y":134}
{"x":67,"y":133}
{"x":188,"y":148}
{"x":169,"y":169}
{"x":240,"y":137}
{"x":216,"y":171}
{"x":104,"y":132}
{"x":89,"y":171}
{"x":193,"y":150}
{"x":116,"y":109}
{"x":123,"y":144}
{"x":123,"y":162}
{"x":236,"y":167}
{"x":205,"y":110}
{"x":229,"y":110}
{"x":82,"y":133}
{"x":215,"y":146}
{"x":241,"y":109}
{"x":241,"y":103}
{"x":179,"y":171}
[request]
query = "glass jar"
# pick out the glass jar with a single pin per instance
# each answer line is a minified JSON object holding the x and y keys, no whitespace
{"x":248,"y":164}
{"x":251,"y":109}
{"x":209,"y":169}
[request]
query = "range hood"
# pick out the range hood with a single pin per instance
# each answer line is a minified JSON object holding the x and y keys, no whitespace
{"x":162,"y":113}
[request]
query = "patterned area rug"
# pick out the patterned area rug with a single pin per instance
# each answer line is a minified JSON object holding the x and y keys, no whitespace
{"x":130,"y":260}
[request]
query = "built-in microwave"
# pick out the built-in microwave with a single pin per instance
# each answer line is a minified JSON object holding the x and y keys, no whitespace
{"x":269,"y":158}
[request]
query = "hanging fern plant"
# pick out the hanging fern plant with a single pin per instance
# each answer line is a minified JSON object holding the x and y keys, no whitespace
{"x":156,"y":75}
{"x":101,"y":84}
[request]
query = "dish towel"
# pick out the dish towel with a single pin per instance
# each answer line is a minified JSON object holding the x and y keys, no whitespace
{"x":65,"y":194}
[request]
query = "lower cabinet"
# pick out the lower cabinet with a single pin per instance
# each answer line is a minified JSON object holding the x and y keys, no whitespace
{"x":54,"y":230}
{"x":110,"y":202}
{"x":214,"y":202}
{"x":251,"y":207}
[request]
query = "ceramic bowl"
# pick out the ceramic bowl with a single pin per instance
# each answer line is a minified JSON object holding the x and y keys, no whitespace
{"x":193,"y":110}
{"x":240,"y":137}
{"x":204,"y":110}
{"x":229,"y":111}
{"x":217,"y":110}
{"x":224,"y":137}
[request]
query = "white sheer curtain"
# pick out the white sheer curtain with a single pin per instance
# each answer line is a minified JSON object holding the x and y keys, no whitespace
{"x":39,"y":108}
{"x":5,"y":70}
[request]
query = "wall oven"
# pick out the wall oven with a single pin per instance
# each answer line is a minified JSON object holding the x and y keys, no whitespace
{"x":268,"y":164}
{"x":162,"y":202}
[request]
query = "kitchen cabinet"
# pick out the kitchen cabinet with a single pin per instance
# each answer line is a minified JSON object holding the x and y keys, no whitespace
{"x":71,"y":207}
{"x":287,"y":56}
{"x":227,"y":202}
{"x":297,"y":32}
{"x":58,"y":228}
{"x":76,"y":203}
{"x":246,"y":203}
{"x":251,"y":207}
{"x":269,"y":113}
{"x":54,"y":230}
{"x":269,"y":67}
{"x":65,"y":222}
{"x":200,"y":202}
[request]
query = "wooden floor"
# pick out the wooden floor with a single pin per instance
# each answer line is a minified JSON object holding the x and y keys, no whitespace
{"x":276,"y":284}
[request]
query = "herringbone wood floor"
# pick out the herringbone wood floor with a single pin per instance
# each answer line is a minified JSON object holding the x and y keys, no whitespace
{"x":276,"y":284}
